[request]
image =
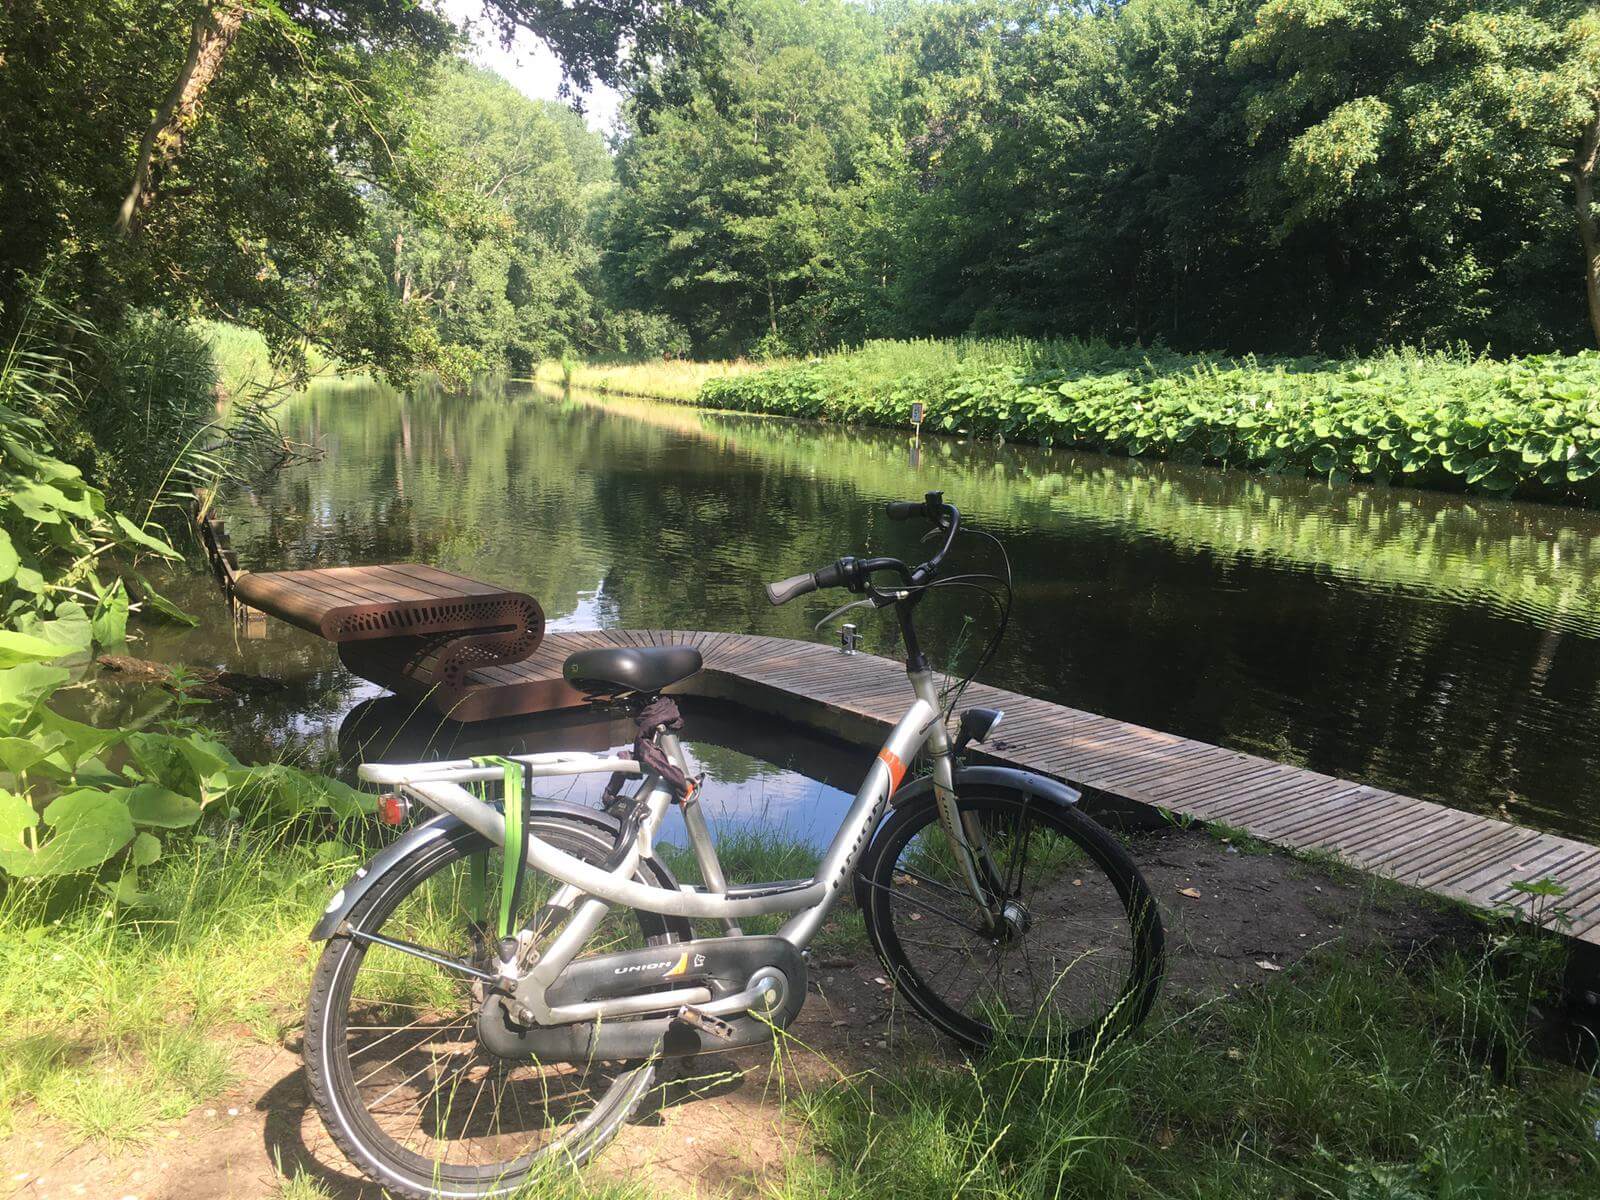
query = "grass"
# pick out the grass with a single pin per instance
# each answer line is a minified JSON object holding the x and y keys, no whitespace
{"x":1241,"y":840}
{"x":684,"y":381}
{"x":751,"y":854}
{"x":1357,"y":1075}
{"x":301,"y":1185}
{"x":1353,"y":1076}
{"x":677,"y":380}
{"x":111,"y":1018}
{"x":244,"y":363}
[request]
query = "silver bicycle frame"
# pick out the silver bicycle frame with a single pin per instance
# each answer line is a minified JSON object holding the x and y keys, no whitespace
{"x":589,"y":891}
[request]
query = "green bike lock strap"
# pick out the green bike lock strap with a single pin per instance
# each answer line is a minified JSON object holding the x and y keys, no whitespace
{"x":515,"y":806}
{"x":478,"y":874}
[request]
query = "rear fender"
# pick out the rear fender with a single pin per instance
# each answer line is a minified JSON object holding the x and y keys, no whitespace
{"x":418,"y":838}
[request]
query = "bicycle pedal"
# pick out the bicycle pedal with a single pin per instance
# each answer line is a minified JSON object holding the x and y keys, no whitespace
{"x":706,"y":1023}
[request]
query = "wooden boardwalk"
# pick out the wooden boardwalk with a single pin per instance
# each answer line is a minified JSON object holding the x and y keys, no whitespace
{"x":1425,"y":845}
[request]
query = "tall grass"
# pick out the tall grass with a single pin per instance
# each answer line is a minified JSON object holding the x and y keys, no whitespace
{"x":244,"y":362}
{"x":1359,"y":1076}
{"x":682,"y":381}
{"x":113,"y":1019}
{"x":678,"y":380}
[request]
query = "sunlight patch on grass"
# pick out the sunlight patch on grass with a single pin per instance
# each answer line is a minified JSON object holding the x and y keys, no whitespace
{"x":658,"y":379}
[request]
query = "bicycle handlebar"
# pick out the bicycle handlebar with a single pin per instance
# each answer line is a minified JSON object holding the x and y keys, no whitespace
{"x":785,"y":590}
{"x":855,"y":573}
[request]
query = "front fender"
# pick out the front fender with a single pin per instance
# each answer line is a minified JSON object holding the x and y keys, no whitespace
{"x":1026,"y":782}
{"x":443,"y":826}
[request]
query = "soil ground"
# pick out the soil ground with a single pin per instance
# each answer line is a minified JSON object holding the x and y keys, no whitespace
{"x":1255,"y":911}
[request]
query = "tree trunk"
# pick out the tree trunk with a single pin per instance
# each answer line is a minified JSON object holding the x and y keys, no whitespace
{"x":210,"y":38}
{"x":1583,"y":173}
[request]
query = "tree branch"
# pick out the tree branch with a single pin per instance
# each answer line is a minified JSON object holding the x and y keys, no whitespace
{"x":210,"y":38}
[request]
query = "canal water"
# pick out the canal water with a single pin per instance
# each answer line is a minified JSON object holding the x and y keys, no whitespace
{"x":1444,"y":646}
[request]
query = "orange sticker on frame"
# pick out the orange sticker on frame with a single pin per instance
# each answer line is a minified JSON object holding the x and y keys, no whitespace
{"x":897,"y":769}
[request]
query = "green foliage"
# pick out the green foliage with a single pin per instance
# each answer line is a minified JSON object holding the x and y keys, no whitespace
{"x":263,"y":197}
{"x":1289,"y":176}
{"x":679,"y":380}
{"x":56,"y":532}
{"x":484,"y":237}
{"x":258,"y":169}
{"x":111,"y":1013}
{"x":66,"y":809}
{"x":1356,"y":1076}
{"x":744,"y":214}
{"x":246,"y":365}
{"x":1527,"y":425}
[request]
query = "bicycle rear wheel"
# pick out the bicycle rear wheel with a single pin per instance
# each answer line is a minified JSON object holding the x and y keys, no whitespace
{"x":391,"y":1047}
{"x":1079,"y":954}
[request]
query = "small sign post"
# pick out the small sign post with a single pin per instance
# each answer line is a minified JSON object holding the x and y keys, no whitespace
{"x":916,"y":420}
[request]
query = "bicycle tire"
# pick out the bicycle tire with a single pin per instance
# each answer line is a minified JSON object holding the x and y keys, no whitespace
{"x":1101,"y":875}
{"x":331,"y":1078}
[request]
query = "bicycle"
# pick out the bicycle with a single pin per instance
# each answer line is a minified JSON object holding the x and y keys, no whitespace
{"x":523,"y":1004}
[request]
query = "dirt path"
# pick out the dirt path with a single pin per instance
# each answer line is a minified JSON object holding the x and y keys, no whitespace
{"x":1226,"y":913}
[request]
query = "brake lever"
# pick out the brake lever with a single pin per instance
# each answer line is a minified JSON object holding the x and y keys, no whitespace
{"x":841,"y":610}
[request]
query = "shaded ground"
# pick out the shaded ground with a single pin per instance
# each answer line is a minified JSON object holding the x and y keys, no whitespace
{"x":726,"y":1133}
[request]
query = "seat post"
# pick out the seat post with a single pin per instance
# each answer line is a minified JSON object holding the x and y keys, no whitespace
{"x":694,"y":821}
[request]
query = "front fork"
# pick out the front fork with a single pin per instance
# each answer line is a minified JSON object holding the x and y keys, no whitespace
{"x":964,"y":832}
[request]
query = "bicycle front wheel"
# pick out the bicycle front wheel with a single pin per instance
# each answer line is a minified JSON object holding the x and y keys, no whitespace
{"x":1078,"y":954}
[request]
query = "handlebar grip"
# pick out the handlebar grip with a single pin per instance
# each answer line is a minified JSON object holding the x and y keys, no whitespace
{"x":786,"y":590}
{"x":904,"y":510}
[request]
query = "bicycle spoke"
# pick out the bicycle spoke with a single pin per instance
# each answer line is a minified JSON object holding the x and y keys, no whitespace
{"x":415,"y":1071}
{"x":1062,"y":957}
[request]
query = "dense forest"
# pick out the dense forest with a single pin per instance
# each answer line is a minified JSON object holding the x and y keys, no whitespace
{"x":1297,"y":176}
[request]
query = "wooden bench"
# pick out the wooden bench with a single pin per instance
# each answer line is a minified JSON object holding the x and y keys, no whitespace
{"x":414,"y":629}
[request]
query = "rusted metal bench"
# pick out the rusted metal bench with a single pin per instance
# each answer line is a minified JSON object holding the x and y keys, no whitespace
{"x":414,"y":629}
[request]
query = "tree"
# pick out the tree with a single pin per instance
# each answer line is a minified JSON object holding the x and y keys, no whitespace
{"x":1421,"y":143}
{"x":1583,"y":77}
{"x":615,"y":42}
{"x":213,"y":157}
{"x":739,"y":213}
{"x":486,"y":232}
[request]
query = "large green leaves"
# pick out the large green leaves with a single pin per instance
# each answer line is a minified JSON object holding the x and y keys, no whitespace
{"x":85,"y":828}
{"x":152,"y":804}
{"x":1524,"y":424}
{"x":144,"y":539}
{"x":25,"y":648}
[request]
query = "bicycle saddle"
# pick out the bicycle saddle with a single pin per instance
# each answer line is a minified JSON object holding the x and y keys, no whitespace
{"x":627,"y":669}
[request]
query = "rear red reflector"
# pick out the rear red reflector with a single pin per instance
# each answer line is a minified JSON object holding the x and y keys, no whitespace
{"x":393,"y":809}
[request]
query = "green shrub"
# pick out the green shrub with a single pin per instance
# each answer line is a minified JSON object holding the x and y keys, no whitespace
{"x":56,"y":529}
{"x":154,"y":387}
{"x":1529,"y":425}
{"x":77,"y":798}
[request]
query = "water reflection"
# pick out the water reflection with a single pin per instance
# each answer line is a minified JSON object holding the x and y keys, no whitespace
{"x":1445,"y":646}
{"x":769,"y":774}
